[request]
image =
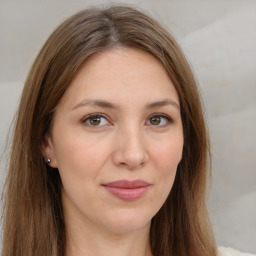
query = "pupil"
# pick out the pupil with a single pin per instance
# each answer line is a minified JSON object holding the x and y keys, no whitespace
{"x":95,"y":120}
{"x":155,"y":120}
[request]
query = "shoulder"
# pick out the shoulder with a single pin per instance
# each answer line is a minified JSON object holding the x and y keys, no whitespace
{"x":231,"y":252}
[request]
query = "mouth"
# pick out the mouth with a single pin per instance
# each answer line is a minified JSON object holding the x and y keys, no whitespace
{"x":127,"y":190}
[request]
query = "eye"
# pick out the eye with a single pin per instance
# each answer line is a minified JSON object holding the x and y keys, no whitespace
{"x":159,"y":120}
{"x":95,"y":120}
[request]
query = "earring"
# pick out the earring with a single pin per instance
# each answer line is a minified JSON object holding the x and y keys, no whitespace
{"x":49,"y":160}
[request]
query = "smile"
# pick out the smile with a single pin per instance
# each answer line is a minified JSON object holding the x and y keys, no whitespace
{"x":127,"y":190}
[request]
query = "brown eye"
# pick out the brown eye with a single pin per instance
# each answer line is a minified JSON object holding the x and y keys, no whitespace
{"x":160,"y":120}
{"x":155,"y":120}
{"x":95,"y":120}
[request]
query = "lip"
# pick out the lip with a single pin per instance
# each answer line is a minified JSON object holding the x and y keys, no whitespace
{"x":127,"y":190}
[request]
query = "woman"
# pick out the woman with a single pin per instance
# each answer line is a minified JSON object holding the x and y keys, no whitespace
{"x":109,"y":154}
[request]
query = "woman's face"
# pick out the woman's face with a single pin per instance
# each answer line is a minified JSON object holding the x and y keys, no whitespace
{"x":116,"y":140}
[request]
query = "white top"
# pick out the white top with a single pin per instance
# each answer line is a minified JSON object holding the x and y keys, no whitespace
{"x":231,"y":252}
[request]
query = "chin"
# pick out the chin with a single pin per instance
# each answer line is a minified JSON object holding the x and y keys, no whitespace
{"x":127,"y":221}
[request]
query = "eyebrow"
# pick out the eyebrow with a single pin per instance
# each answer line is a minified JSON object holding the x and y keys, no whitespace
{"x":107,"y":104}
{"x":97,"y":103}
{"x":163,"y":103}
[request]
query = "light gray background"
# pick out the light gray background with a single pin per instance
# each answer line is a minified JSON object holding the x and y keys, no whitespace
{"x":219,"y":39}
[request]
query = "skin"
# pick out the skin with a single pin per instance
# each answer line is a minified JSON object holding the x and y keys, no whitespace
{"x":135,"y":139}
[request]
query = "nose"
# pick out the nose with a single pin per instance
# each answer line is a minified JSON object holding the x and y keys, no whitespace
{"x":130,"y":150}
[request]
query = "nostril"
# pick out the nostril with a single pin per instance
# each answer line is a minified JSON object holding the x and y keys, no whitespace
{"x":130,"y":160}
{"x":131,"y":151}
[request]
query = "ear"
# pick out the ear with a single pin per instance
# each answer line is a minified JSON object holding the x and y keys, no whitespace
{"x":48,"y":151}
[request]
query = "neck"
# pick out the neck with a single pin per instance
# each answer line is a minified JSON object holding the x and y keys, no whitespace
{"x":81,"y":242}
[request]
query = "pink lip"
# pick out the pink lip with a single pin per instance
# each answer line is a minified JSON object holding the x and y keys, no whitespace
{"x":127,"y":190}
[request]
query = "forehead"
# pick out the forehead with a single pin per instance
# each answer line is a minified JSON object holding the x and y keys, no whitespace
{"x":121,"y":74}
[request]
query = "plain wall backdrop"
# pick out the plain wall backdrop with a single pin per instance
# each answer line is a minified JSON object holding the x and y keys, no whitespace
{"x":219,"y":39}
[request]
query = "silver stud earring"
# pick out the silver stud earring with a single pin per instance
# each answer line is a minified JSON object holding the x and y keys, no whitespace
{"x":49,"y":160}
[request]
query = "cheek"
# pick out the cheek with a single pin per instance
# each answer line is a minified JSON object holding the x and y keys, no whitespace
{"x":80,"y":156}
{"x":80,"y":163}
{"x":167,"y":156}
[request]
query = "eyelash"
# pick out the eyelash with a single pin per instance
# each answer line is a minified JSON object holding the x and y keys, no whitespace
{"x":168,"y":119}
{"x":94,"y":115}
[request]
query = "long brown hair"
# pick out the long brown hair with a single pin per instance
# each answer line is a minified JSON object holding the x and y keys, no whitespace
{"x":33,"y":219}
